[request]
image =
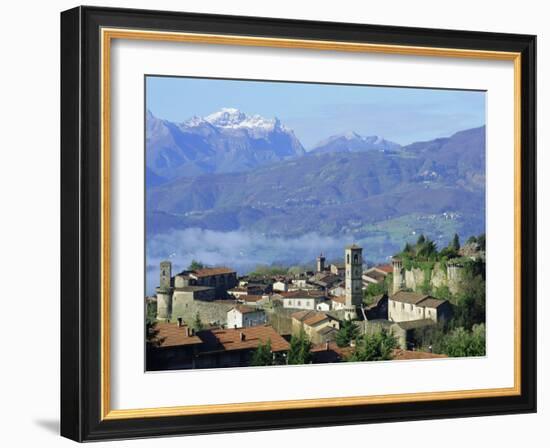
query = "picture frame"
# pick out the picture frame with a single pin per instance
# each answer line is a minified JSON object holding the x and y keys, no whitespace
{"x":86,"y":177}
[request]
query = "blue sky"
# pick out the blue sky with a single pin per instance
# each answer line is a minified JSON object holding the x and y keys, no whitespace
{"x":317,"y":111}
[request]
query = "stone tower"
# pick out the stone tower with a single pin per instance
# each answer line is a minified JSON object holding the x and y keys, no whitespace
{"x":397,"y":274}
{"x":164,"y":292}
{"x":354,"y":274}
{"x":320,"y":263}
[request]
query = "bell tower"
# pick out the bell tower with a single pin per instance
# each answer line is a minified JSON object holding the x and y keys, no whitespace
{"x":164,"y":292}
{"x":320,"y":263}
{"x":354,"y":274}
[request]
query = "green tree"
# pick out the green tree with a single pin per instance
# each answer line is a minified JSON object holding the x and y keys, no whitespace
{"x":347,"y":333}
{"x":481,"y":241}
{"x":197,"y":323}
{"x":151,"y":312}
{"x":461,"y":342}
{"x":194,"y":265}
{"x":471,"y":240}
{"x":375,"y":347}
{"x":469,"y":306}
{"x":427,"y":250}
{"x":373,"y":290}
{"x":263,"y":355}
{"x":421,"y":240}
{"x":300,"y":346}
{"x":455,"y":243}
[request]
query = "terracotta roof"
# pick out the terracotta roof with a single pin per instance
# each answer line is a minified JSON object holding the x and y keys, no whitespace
{"x":206,"y":272}
{"x":303,"y":294}
{"x":309,"y":317}
{"x":339,"y":299}
{"x":300,"y":315}
{"x":243,"y":309}
{"x":408,"y":297}
{"x":374,"y":274}
{"x":230,"y":339}
{"x":171,"y":335}
{"x":409,"y":354}
{"x":194,"y":288}
{"x":315,"y":319}
{"x":430,"y":302}
{"x":330,"y":352}
{"x":252,"y":298}
{"x":387,"y":268}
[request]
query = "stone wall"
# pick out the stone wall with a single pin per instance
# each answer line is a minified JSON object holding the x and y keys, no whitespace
{"x":450,"y":277}
{"x":279,"y":318}
{"x":209,"y":312}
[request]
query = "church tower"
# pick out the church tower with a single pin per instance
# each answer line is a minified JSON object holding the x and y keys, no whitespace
{"x":164,"y":292}
{"x":354,"y":274}
{"x":320,"y":263}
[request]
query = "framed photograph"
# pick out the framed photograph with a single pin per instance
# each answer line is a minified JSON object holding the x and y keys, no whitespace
{"x":277,"y":224}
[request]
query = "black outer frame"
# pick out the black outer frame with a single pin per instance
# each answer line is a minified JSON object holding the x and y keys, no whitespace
{"x":80,"y":224}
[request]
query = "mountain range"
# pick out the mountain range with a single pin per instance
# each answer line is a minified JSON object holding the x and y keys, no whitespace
{"x":230,"y":171}
{"x":225,"y":141}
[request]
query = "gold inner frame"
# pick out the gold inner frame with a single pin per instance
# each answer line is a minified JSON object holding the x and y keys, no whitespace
{"x":107,"y":35}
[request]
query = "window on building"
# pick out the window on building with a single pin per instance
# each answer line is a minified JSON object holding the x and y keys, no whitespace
{"x":402,"y":306}
{"x":356,"y":258}
{"x":348,"y":258}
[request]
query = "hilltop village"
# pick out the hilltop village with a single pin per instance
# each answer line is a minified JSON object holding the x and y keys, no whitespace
{"x":209,"y":317}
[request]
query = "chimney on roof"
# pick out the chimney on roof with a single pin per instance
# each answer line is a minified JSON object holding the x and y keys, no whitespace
{"x":187,"y":331}
{"x":180,"y":322}
{"x":241,"y":336}
{"x":326,"y":346}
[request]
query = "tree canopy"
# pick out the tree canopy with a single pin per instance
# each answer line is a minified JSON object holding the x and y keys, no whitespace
{"x":300,"y":346}
{"x":375,"y":347}
{"x":263,"y":356}
{"x":347,"y":333}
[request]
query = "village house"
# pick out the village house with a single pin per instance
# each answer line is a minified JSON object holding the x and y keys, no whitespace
{"x":280,"y":286}
{"x":318,"y":326}
{"x":248,"y":289}
{"x":244,"y":316}
{"x":338,"y":302}
{"x":175,"y":346}
{"x":407,"y":306}
{"x":254,"y":300}
{"x":303,"y":299}
{"x":377,"y":274}
{"x":220,"y":278}
{"x":339,"y":289}
{"x":338,"y":269}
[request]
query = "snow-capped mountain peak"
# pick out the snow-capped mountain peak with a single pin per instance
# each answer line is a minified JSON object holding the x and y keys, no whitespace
{"x":231,"y":118}
{"x":353,"y":142}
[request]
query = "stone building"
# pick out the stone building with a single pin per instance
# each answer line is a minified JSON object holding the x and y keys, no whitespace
{"x":177,"y":347}
{"x":302,"y":299}
{"x":244,"y":316}
{"x":319,"y":327}
{"x":409,"y":306}
{"x":376,"y":275}
{"x":174,"y":294}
